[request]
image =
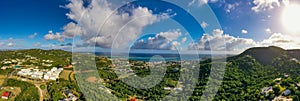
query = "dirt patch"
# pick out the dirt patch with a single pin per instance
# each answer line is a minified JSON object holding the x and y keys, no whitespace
{"x":91,"y":79}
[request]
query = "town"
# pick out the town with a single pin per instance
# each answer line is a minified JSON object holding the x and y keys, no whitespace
{"x":45,"y":74}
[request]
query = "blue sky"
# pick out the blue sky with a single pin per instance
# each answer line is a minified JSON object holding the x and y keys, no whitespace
{"x":152,"y":25}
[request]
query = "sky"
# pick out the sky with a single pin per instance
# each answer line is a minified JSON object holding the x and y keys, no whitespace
{"x":203,"y":25}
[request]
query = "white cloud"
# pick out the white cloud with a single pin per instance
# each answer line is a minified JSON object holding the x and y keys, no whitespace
{"x":220,"y":41}
{"x":263,"y":5}
{"x":184,"y":39}
{"x":204,"y":24}
{"x":171,"y":34}
{"x":99,"y":23}
{"x":281,"y":40}
{"x":32,"y":36}
{"x":11,"y":43}
{"x":174,"y":45}
{"x":71,"y":30}
{"x":230,"y":7}
{"x":201,"y":2}
{"x":56,"y":36}
{"x":161,"y":41}
{"x":268,"y":31}
{"x":244,"y":31}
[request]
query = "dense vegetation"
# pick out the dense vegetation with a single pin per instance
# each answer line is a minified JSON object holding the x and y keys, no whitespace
{"x":245,"y":76}
{"x":60,"y":58}
{"x":56,"y":88}
{"x":28,"y":91}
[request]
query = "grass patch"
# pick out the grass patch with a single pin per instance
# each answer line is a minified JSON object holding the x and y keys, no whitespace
{"x":65,"y":74}
{"x":72,"y":76}
{"x":29,"y":91}
{"x":43,"y":87}
{"x":2,"y":78}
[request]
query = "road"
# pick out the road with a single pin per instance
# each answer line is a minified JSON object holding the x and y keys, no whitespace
{"x":37,"y":85}
{"x":40,"y":91}
{"x":7,"y":77}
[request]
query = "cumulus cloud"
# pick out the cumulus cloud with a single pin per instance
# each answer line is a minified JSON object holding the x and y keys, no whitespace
{"x":230,"y":7}
{"x":99,"y":23}
{"x":10,"y":44}
{"x":220,"y":41}
{"x":278,"y":39}
{"x":56,"y":36}
{"x":263,"y":5}
{"x":201,"y":2}
{"x":32,"y":36}
{"x":171,"y":34}
{"x":268,"y":31}
{"x":244,"y":31}
{"x":204,"y":24}
{"x":161,"y":41}
{"x":184,"y":39}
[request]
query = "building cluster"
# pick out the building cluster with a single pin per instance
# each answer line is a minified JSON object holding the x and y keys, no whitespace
{"x":69,"y":95}
{"x":27,"y":61}
{"x":45,"y":74}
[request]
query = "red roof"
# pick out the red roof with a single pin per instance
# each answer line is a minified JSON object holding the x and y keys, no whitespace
{"x":5,"y":94}
{"x":133,"y":99}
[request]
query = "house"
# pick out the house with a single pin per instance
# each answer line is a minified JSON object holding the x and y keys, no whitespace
{"x":5,"y":95}
{"x":265,"y":90}
{"x":168,"y":88}
{"x":282,"y":98}
{"x":71,"y":96}
{"x":277,"y":79}
{"x":132,"y":99}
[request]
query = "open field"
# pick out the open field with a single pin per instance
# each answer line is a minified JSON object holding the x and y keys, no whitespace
{"x":65,"y":74}
{"x":2,"y":78}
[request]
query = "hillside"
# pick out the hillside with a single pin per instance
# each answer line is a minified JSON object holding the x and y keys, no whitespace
{"x":266,"y":55}
{"x":57,"y":58}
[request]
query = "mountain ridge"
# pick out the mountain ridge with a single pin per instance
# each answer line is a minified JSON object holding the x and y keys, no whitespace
{"x":265,"y":55}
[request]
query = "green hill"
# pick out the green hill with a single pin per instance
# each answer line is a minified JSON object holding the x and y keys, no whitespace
{"x":267,"y":55}
{"x":264,"y":55}
{"x":57,"y":57}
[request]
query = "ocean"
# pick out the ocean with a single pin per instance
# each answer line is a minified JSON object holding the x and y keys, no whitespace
{"x":156,"y":56}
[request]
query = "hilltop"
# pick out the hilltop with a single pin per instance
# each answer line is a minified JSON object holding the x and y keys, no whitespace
{"x":58,"y":58}
{"x":266,"y":55}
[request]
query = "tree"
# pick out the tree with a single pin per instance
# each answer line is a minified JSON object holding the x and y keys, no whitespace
{"x":296,"y":98}
{"x":276,"y":90}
